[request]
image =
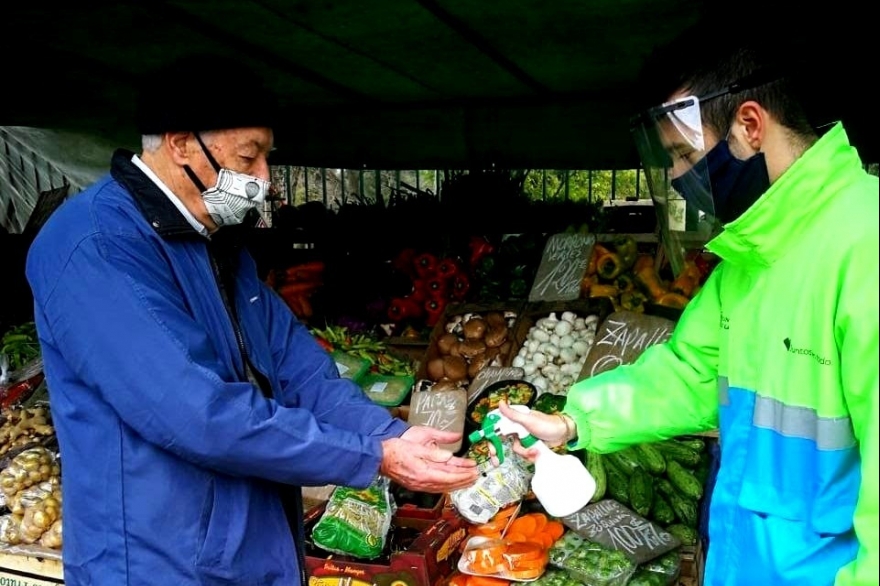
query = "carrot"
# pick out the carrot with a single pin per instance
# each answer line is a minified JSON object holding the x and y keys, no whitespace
{"x":547,"y":539}
{"x":514,"y":537}
{"x":486,"y":581}
{"x":540,"y":521}
{"x":554,"y":529}
{"x":524,"y":525}
{"x":525,"y":574}
{"x":532,"y":564}
{"x":458,"y":579}
{"x":527,"y":550}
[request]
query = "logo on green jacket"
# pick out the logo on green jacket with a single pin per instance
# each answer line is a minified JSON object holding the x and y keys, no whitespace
{"x":805,"y":352}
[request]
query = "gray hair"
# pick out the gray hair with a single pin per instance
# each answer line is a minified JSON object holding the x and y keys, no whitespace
{"x":151,"y":142}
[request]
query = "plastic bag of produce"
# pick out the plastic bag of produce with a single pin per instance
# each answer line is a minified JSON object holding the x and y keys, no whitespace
{"x":52,"y":537}
{"x":10,"y":529}
{"x":496,"y":487}
{"x":662,"y":571}
{"x":591,"y":563}
{"x":356,"y":521}
{"x":39,"y":517}
{"x":30,"y":496}
{"x":30,"y":467}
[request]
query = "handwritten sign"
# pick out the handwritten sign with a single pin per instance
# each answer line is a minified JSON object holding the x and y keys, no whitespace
{"x":443,"y":410}
{"x":563,"y":265}
{"x":622,"y":338}
{"x":611,"y":524}
{"x":490,"y":375}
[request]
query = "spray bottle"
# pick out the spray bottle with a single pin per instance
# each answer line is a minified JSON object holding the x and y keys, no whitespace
{"x":561,"y":482}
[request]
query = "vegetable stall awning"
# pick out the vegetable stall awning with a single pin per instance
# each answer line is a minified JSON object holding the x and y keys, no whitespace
{"x":397,"y":83}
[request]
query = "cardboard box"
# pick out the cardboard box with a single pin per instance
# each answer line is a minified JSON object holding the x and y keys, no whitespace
{"x":421,"y":517}
{"x":430,"y":558}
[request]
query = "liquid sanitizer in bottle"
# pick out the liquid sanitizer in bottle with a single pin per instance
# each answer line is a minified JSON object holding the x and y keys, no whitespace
{"x":561,"y":482}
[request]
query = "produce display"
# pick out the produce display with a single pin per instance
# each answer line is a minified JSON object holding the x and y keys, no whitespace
{"x":469,"y":342}
{"x":24,"y":427}
{"x":514,"y":392}
{"x":296,"y":285}
{"x":662,"y":481}
{"x":375,"y":352}
{"x":620,"y":272}
{"x":20,"y":345}
{"x":555,"y":349}
{"x":356,"y":521}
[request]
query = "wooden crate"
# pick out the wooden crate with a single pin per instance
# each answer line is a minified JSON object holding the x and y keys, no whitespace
{"x":30,"y":570}
{"x":693,"y":562}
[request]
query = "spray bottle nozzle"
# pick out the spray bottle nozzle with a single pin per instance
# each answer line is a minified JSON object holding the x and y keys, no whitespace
{"x":495,"y":425}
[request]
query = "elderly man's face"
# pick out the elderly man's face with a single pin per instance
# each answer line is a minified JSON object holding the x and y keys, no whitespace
{"x":245,"y":150}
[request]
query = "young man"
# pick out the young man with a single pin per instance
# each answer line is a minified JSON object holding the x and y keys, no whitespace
{"x":779,"y":349}
{"x":188,"y":400}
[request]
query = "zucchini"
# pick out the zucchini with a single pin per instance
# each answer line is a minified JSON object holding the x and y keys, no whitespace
{"x":684,"y":481}
{"x":672,"y":450}
{"x":701,"y":472}
{"x":650,"y":458}
{"x":641,"y":492}
{"x":661,"y":511}
{"x":596,"y":468}
{"x":625,"y":460}
{"x":686,"y":535}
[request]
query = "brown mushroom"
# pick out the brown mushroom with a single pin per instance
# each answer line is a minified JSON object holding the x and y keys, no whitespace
{"x":504,"y":349}
{"x":471,"y":348}
{"x":495,"y":319}
{"x":445,"y":384}
{"x":474,"y":328}
{"x":495,"y":336}
{"x":478,"y":363}
{"x":454,"y":367}
{"x":446,"y":343}
{"x":436,"y":369}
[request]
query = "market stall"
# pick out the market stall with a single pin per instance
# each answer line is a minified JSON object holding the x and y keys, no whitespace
{"x":442,"y":349}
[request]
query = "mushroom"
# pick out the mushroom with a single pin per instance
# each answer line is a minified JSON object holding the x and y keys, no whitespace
{"x":446,"y":343}
{"x":474,"y":329}
{"x":471,"y":348}
{"x":455,"y":368}
{"x":436,"y":369}
{"x":495,"y":336}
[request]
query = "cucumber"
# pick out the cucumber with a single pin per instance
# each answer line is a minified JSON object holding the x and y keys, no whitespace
{"x":650,"y":458}
{"x":684,"y":480}
{"x":596,"y":468}
{"x":625,"y":460}
{"x":686,"y":535}
{"x":641,"y":492}
{"x":673,"y":450}
{"x":685,"y":509}
{"x":694,"y":443}
{"x":661,"y":511}
{"x":618,"y":485}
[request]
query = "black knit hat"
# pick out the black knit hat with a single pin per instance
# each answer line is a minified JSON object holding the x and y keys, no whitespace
{"x":203,"y":92}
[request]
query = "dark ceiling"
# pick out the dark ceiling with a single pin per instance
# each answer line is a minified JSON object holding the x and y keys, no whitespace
{"x":385,"y":83}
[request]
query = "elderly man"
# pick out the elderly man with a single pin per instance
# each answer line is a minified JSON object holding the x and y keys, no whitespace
{"x":189,"y":402}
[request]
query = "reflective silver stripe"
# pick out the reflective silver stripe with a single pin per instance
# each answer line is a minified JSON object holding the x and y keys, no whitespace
{"x":829,"y":433}
{"x":723,"y":391}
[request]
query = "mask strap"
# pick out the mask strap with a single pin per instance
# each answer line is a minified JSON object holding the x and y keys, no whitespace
{"x":192,"y":175}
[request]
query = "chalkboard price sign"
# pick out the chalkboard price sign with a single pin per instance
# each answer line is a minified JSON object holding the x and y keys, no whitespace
{"x":563,"y":265}
{"x":443,"y":410}
{"x":611,"y":524}
{"x":621,"y":339}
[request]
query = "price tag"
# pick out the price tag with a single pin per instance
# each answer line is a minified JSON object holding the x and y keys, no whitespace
{"x":563,"y":265}
{"x":378,"y":387}
{"x":341,"y":368}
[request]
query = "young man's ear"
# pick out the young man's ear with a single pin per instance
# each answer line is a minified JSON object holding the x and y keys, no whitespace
{"x":750,"y":123}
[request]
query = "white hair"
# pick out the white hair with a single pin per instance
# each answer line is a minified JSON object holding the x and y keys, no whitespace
{"x":151,"y":142}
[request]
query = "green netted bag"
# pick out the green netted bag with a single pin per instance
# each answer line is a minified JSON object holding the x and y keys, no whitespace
{"x":356,"y":521}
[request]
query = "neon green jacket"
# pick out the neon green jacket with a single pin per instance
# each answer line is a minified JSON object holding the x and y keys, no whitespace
{"x":780,"y":352}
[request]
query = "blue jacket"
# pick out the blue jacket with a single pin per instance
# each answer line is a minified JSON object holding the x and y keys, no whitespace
{"x":171,"y":460}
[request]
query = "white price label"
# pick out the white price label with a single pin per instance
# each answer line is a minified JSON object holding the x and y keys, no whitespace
{"x":341,"y":368}
{"x":378,"y":387}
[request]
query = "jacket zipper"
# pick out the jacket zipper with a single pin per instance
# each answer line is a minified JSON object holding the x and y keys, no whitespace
{"x":297,"y":531}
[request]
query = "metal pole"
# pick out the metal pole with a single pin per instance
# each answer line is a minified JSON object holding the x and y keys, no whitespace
{"x":342,"y":182}
{"x":590,"y":185}
{"x":613,"y":184}
{"x":360,"y":183}
{"x":324,"y":184}
{"x":566,"y":185}
{"x":543,"y":184}
{"x":287,"y":184}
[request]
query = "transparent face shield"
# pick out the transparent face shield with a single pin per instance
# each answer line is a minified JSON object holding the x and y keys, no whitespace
{"x":672,"y":148}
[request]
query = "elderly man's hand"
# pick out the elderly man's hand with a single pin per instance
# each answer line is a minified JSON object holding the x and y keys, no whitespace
{"x":415,"y":461}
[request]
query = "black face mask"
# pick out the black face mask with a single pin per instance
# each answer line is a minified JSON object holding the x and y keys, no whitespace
{"x":734,"y":184}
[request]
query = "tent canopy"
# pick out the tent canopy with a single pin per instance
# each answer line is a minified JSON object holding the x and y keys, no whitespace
{"x":382,"y":83}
